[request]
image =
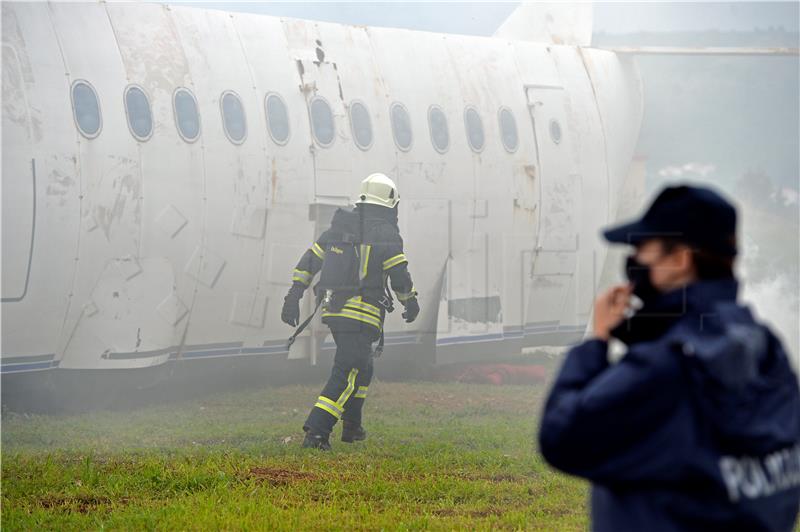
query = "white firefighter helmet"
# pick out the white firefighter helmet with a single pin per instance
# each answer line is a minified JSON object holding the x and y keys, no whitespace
{"x":378,"y":189}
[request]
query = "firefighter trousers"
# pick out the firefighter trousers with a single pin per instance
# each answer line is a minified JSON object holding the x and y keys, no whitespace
{"x":344,"y":394}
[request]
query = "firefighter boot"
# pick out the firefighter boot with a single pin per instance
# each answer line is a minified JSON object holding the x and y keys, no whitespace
{"x":353,"y":432}
{"x":316,"y":440}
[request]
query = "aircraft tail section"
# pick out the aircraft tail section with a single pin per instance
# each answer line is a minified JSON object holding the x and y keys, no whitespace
{"x":549,"y":22}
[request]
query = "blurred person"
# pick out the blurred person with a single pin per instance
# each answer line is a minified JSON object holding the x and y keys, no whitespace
{"x":697,"y":426}
{"x":355,"y":258}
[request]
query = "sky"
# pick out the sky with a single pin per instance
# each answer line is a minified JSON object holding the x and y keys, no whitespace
{"x":482,"y":18}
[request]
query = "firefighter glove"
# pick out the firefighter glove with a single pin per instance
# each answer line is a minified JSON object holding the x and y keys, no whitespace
{"x":412,"y":310}
{"x":290,"y":314}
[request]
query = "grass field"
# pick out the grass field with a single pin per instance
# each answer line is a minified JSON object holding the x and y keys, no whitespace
{"x":439,"y":456}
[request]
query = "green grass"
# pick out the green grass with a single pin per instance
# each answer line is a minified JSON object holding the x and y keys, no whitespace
{"x":438,"y":456}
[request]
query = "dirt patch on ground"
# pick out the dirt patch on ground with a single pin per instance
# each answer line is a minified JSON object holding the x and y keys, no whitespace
{"x":495,"y":477}
{"x":453,"y":512}
{"x":79,"y":503}
{"x":279,"y":477}
{"x":503,"y":477}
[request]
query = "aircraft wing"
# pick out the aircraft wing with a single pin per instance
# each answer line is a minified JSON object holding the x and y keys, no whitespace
{"x":683,"y":50}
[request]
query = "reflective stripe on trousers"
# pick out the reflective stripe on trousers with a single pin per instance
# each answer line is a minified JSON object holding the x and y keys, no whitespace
{"x":336,"y":408}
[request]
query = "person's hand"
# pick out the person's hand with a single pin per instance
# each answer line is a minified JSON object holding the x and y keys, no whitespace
{"x":412,"y":310}
{"x":290,"y":313}
{"x":610,"y":309}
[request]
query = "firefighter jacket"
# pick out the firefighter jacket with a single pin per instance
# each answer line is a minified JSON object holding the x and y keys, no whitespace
{"x":380,"y":260}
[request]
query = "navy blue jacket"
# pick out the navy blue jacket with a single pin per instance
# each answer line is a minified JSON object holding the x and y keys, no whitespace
{"x":695,"y":428}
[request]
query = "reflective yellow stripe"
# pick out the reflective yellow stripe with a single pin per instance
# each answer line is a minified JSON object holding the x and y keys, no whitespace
{"x":354,"y":315}
{"x":330,"y":402}
{"x":302,"y":276}
{"x":360,"y":300}
{"x":394,"y":261}
{"x":362,"y":271}
{"x":407,"y":295}
{"x":361,"y":393}
{"x":336,"y":408}
{"x":363,"y":307}
{"x":329,"y":406}
{"x":318,"y":251}
{"x":328,"y":410}
{"x":369,"y":318}
{"x":348,"y":391}
{"x":358,"y":303}
{"x":362,"y":311}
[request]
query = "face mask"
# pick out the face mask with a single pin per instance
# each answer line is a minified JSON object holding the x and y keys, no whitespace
{"x":639,"y":275}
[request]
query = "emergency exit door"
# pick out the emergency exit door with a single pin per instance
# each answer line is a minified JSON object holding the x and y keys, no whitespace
{"x":329,"y":130}
{"x":18,"y":183}
{"x":554,"y":260}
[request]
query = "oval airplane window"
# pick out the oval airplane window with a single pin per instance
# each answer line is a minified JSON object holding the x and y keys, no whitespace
{"x":401,"y":126}
{"x":137,"y":108}
{"x":440,"y":136}
{"x":233,"y":118}
{"x":361,"y":124}
{"x":186,"y":117}
{"x":508,"y":129}
{"x":474,"y":125}
{"x":555,"y":131}
{"x":277,"y":119}
{"x":322,"y":121}
{"x":86,"y":109}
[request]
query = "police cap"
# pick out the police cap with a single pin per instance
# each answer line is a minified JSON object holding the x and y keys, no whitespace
{"x":695,"y":215}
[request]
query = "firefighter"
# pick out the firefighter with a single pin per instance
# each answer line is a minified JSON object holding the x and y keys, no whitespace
{"x":355,"y":258}
{"x":697,"y":427}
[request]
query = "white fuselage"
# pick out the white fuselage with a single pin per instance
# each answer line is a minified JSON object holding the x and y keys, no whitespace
{"x":126,"y":251}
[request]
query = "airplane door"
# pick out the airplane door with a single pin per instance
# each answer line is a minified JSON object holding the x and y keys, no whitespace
{"x":553,"y":295}
{"x":329,"y":129}
{"x":19,"y":182}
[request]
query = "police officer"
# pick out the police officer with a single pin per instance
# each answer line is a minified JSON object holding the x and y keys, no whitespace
{"x":355,"y":313}
{"x":697,"y":427}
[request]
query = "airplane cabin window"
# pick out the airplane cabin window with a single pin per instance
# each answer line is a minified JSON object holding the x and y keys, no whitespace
{"x":137,"y":108}
{"x":277,"y":119}
{"x":233,"y":118}
{"x":440,"y":136}
{"x":322,"y":121}
{"x":401,"y":126}
{"x":186,"y":117}
{"x":86,"y":109}
{"x":508,"y":129}
{"x":361,"y":124}
{"x":474,"y":125}
{"x":555,"y":131}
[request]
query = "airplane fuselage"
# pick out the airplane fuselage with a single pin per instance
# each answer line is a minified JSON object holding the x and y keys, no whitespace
{"x":164,"y":168}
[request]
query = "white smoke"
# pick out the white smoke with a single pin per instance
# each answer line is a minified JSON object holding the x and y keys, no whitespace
{"x":775,"y":301}
{"x":688,"y":170}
